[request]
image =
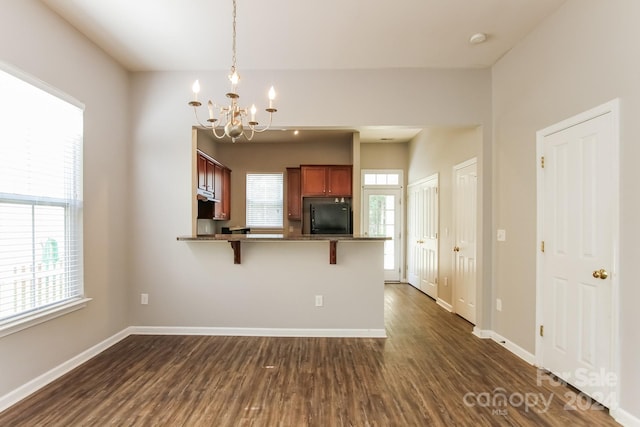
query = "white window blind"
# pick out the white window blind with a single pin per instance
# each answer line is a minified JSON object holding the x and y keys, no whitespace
{"x":264,"y":200}
{"x":40,"y":200}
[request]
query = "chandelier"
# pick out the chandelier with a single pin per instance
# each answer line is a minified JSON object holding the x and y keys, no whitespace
{"x":231,"y":117}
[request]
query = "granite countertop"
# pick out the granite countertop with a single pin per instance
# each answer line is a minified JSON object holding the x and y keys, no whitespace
{"x":278,"y":237}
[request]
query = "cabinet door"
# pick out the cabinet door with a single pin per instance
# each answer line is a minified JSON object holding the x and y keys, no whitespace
{"x":293,"y":194}
{"x":217,"y":181}
{"x":313,"y":180}
{"x":339,"y":181}
{"x":202,"y":172}
{"x":210,"y":176}
{"x":222,"y":209}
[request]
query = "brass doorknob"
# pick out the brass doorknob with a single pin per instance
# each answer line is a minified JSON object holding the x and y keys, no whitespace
{"x":456,"y":249}
{"x":420,"y":241}
{"x":601,"y":274}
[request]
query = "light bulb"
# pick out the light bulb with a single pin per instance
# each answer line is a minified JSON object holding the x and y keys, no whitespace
{"x":210,"y":105}
{"x":195,"y":88}
{"x":272,"y":96}
{"x":234,"y":78}
{"x":253,"y":112}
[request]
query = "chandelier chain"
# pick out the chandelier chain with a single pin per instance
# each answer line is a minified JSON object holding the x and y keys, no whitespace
{"x":233,"y":47}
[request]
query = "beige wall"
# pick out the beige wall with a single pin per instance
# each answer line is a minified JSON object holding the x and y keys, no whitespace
{"x":38,"y":42}
{"x":438,"y":150}
{"x":185,"y":288}
{"x":582,"y":56}
{"x":384,"y":156}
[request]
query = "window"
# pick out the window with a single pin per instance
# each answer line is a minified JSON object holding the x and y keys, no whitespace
{"x":40,"y":201}
{"x":377,"y":178}
{"x":264,"y":200}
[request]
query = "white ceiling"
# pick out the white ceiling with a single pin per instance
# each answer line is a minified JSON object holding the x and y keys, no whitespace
{"x":150,"y":35}
{"x":169,"y":35}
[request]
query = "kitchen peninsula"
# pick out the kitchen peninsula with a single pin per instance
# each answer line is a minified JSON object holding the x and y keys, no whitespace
{"x":236,"y":239}
{"x":333,"y":285}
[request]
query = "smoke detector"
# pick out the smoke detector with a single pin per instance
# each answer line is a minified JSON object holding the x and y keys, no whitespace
{"x":478,"y":38}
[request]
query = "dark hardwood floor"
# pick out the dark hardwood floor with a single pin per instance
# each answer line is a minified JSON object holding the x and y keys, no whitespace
{"x":429,"y":371}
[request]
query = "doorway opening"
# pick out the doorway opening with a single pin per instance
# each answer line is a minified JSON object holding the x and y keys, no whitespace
{"x":382,"y":201}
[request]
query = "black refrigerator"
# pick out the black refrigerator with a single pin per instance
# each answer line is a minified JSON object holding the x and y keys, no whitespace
{"x":330,"y":218}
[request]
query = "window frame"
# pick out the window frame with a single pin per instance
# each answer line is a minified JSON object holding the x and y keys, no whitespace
{"x":72,"y":228}
{"x":280,"y":226}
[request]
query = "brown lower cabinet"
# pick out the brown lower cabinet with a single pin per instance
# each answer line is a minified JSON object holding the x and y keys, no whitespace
{"x":222,"y":209}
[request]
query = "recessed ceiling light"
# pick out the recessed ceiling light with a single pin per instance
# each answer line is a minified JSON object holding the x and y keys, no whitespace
{"x":386,"y":139}
{"x":478,"y":38}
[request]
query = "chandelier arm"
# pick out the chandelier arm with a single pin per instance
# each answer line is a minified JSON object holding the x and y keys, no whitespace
{"x":195,"y":112}
{"x":213,"y":129}
{"x":266,"y":127}
{"x":249,"y":138}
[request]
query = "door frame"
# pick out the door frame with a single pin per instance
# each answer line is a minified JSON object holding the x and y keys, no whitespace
{"x":401,"y":255}
{"x":613,"y":108}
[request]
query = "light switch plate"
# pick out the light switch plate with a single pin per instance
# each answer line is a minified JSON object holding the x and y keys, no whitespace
{"x":501,"y":235}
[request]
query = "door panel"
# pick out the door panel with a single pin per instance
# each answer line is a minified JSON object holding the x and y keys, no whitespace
{"x":577,"y":232}
{"x":382,"y":215}
{"x":423,"y":234}
{"x":465,"y":214}
{"x":414,"y":213}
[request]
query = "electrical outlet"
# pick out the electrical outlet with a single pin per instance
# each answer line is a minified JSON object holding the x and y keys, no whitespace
{"x":319,"y":301}
{"x":498,"y":304}
{"x":501,"y":235}
{"x":144,"y":299}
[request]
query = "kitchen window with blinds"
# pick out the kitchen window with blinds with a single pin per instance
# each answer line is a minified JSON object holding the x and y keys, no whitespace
{"x":40,"y":202}
{"x":264,"y":200}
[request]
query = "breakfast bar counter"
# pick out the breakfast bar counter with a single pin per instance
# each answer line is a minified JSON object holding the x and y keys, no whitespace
{"x":236,"y":241}
{"x":285,"y":284}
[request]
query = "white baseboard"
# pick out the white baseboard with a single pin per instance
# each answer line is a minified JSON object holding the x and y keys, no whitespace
{"x":442,"y":303}
{"x":258,"y":332}
{"x":512,"y":347}
{"x":624,"y":418}
{"x":482,"y":333}
{"x":37,"y":383}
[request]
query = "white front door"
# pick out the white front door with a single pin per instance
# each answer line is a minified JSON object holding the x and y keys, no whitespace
{"x":423,"y":235}
{"x":382,"y":218}
{"x":465,"y":211}
{"x":576,"y":264}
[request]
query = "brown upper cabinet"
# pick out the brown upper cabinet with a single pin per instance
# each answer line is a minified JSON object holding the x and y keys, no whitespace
{"x":326,"y":180}
{"x":294,"y":196}
{"x":214,"y":179}
{"x":206,"y":177}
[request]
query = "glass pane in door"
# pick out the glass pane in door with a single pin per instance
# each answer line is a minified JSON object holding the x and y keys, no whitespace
{"x":382,"y":224}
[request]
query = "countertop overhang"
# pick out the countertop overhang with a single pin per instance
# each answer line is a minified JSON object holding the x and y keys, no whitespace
{"x":236,"y":239}
{"x":278,"y":237}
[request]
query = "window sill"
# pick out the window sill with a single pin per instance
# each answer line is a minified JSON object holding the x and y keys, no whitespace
{"x":42,"y":316}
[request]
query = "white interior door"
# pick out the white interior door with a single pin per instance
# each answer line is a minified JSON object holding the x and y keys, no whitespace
{"x":465,"y":212}
{"x":423,"y":234}
{"x":382,"y":218}
{"x":579,"y":202}
{"x":414,"y":216}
